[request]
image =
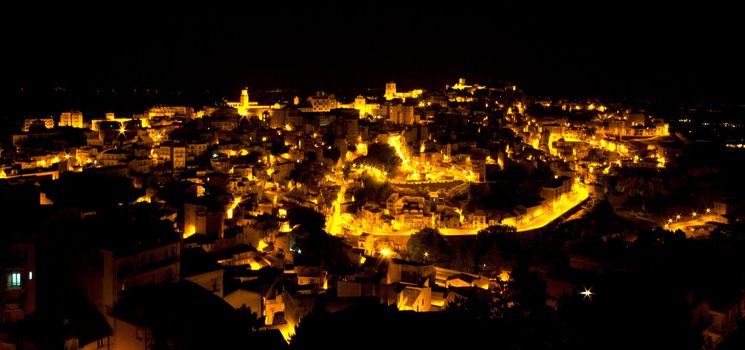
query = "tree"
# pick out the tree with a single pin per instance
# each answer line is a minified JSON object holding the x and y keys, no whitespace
{"x":490,"y":249}
{"x":252,"y":319}
{"x":307,"y":230}
{"x":381,"y":155}
{"x":312,"y":241}
{"x":429,"y":241}
{"x":333,"y":154}
{"x":279,"y":147}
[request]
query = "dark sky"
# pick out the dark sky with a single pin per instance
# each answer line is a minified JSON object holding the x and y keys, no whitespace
{"x":619,"y":48}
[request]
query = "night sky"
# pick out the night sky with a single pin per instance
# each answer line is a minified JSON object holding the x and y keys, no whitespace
{"x":675,"y":53}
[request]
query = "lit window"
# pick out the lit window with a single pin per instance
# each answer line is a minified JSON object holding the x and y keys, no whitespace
{"x":14,"y":280}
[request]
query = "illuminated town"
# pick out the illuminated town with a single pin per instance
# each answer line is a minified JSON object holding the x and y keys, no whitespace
{"x":246,"y":191}
{"x":466,"y":212}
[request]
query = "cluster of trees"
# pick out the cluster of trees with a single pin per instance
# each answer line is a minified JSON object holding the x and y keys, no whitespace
{"x":492,"y":250}
{"x":307,"y":171}
{"x":513,"y":186}
{"x":382,"y":156}
{"x":312,"y":242}
{"x":409,"y":330}
{"x":371,"y":191}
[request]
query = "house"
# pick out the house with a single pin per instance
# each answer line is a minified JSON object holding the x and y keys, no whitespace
{"x":72,"y":323}
{"x":724,"y":313}
{"x":17,"y":283}
{"x":199,"y":267}
{"x":410,"y":272}
{"x":467,"y":280}
{"x":138,"y":251}
{"x":414,"y":298}
{"x":259,"y":291}
{"x":182,"y":314}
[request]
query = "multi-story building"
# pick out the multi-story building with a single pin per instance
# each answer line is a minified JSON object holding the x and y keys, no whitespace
{"x":391,"y":93}
{"x":178,"y":157}
{"x":198,"y":218}
{"x":245,"y":107}
{"x":400,"y":113}
{"x":195,"y":149}
{"x":169,"y":111}
{"x":72,"y":118}
{"x":17,"y":283}
{"x":47,"y":123}
{"x":323,"y":102}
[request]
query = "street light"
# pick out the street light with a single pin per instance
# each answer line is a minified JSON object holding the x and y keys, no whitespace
{"x":587,"y":293}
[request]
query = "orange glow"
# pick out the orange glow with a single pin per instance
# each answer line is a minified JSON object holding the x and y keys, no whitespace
{"x":254,"y":265}
{"x":504,"y":276}
{"x":190,"y":230}
{"x":236,"y":201}
{"x":461,"y":218}
{"x":395,"y":142}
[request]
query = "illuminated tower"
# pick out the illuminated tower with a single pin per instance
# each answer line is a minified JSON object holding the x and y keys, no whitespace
{"x":244,"y":98}
{"x":243,"y":104}
{"x":390,"y":91}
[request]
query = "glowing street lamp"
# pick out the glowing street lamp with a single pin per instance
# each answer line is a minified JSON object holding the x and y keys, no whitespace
{"x":587,"y":293}
{"x":694,"y":214}
{"x":708,"y":210}
{"x":677,"y":217}
{"x":385,"y":252}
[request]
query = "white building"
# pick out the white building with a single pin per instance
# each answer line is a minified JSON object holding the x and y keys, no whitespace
{"x":72,"y":118}
{"x":47,"y":122}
